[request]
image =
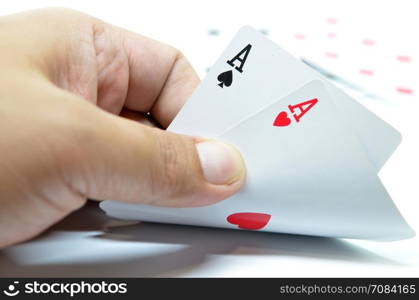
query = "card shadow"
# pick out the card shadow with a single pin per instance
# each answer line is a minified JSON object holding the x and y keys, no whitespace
{"x":197,"y":245}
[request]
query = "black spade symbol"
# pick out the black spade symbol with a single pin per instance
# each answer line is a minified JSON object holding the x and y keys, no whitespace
{"x":225,"y":78}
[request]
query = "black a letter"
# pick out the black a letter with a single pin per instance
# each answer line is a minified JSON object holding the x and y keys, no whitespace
{"x":238,"y":57}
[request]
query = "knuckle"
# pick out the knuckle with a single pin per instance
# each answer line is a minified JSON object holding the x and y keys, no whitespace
{"x":176,"y":52}
{"x":175,"y":174}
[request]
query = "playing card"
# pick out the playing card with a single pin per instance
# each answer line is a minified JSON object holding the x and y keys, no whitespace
{"x":250,"y":71}
{"x":306,"y":174}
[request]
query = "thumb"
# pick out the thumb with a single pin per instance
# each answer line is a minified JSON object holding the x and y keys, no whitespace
{"x":130,"y":162}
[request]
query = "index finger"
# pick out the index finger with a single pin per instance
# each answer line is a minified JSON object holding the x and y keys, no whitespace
{"x":160,"y":78}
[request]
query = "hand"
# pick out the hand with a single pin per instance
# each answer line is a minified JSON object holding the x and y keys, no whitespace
{"x":73,"y":94}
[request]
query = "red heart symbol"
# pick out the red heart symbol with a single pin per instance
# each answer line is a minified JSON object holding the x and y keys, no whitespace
{"x":253,"y":221}
{"x":282,"y":119}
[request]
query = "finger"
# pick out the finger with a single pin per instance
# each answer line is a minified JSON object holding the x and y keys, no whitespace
{"x":160,"y":78}
{"x":106,"y":65}
{"x":123,"y":160}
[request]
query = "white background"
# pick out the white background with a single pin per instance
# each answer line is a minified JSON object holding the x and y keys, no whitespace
{"x":88,"y":244}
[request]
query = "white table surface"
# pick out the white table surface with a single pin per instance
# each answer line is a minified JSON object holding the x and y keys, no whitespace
{"x":88,"y":243}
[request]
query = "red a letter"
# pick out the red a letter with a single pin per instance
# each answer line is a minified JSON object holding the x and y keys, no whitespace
{"x":304,"y":107}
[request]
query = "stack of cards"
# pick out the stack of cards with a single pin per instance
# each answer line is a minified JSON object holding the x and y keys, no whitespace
{"x":312,"y":153}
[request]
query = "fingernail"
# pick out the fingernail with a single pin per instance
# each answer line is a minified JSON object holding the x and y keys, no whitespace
{"x":220,"y":162}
